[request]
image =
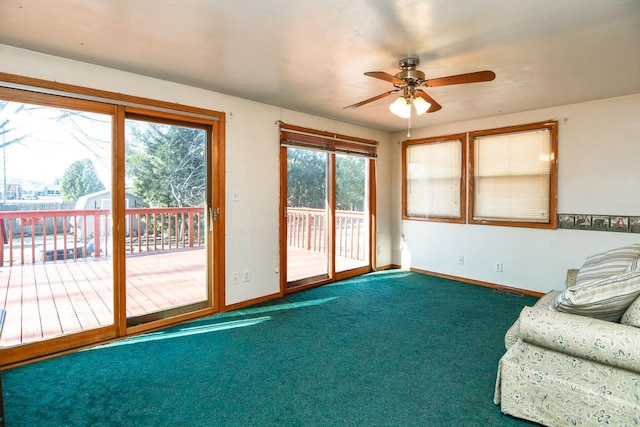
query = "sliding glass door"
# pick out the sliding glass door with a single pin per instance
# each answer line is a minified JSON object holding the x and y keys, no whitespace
{"x":307,"y":216}
{"x":326,"y":230}
{"x":352,"y":212}
{"x":166,"y":223}
{"x":56,"y":254}
{"x":109,"y":216}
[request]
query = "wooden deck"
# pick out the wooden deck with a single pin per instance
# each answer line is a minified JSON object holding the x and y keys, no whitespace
{"x":303,"y":263}
{"x":46,"y":300}
{"x":49,"y":299}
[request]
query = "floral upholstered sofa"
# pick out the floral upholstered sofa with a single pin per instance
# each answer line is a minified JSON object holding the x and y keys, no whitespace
{"x":574,"y":357}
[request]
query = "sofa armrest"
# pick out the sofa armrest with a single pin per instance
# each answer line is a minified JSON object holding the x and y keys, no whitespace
{"x":584,"y":337}
{"x":572,"y":275}
{"x":513,"y":334}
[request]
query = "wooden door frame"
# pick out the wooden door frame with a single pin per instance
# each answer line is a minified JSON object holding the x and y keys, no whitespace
{"x":37,"y":90}
{"x":333,"y":276}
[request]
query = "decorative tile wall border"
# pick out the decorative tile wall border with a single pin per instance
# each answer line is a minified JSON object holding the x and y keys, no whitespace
{"x":617,"y":223}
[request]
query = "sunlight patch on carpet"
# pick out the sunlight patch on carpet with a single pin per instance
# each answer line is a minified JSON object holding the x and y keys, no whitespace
{"x":276,"y":307}
{"x":187,"y":331}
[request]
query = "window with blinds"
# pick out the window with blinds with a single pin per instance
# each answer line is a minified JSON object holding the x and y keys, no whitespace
{"x":514,"y":176}
{"x":433,"y":179}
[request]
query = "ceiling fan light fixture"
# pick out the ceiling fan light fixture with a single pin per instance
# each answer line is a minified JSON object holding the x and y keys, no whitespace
{"x":420,"y":105}
{"x":401,"y":107}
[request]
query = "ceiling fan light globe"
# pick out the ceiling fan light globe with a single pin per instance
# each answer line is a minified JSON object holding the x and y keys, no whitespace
{"x":421,"y":105}
{"x":401,"y":108}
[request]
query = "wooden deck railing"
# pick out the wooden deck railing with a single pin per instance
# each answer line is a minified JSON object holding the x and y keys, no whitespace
{"x":38,"y":236}
{"x":306,"y":229}
{"x":28,"y":237}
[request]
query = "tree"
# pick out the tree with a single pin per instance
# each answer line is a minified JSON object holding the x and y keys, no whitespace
{"x":25,"y":126}
{"x":79,"y":178}
{"x":6,"y":112}
{"x":74,"y":122}
{"x":350,"y":183}
{"x":306,"y":179}
{"x":167,"y":163}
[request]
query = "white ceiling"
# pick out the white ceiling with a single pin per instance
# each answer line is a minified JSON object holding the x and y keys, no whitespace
{"x":310,"y":55}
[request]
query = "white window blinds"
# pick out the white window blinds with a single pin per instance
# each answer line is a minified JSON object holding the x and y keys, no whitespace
{"x":512,"y":173}
{"x":433,"y":179}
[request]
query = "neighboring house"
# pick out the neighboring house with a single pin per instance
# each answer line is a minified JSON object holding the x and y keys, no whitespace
{"x":101,"y":200}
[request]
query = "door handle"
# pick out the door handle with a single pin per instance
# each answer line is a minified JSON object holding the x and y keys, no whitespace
{"x":213,"y":216}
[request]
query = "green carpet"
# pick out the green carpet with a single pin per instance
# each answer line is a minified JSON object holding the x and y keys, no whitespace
{"x":385,"y":349}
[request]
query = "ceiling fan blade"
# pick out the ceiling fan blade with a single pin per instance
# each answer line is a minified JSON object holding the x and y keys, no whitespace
{"x":478,"y":76}
{"x":434,"y":105}
{"x":375,"y":98}
{"x":386,"y":77}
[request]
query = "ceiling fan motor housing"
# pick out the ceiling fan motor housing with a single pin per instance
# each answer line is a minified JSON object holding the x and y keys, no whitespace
{"x":411,"y":77}
{"x":409,"y":74}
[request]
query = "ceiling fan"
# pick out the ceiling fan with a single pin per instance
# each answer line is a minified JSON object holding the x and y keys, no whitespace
{"x":409,"y":82}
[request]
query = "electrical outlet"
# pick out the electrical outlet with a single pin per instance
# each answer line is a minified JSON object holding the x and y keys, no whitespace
{"x":245,"y":276}
{"x":499,"y":267}
{"x":235,"y":278}
{"x":461,"y":260}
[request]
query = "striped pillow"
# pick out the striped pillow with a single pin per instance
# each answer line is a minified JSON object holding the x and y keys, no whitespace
{"x":605,"y":299}
{"x":631,"y":317}
{"x":606,"y":264}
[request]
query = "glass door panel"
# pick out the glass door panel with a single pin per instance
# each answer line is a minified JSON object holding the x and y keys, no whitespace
{"x":352,"y":213}
{"x":307,"y":216}
{"x":165,"y":221}
{"x":56,"y":274}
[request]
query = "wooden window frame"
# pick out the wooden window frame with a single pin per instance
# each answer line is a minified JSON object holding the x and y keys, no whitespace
{"x":462,"y":137}
{"x":552,"y":222}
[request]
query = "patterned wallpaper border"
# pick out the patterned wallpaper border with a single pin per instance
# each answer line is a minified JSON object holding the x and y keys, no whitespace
{"x":618,"y":223}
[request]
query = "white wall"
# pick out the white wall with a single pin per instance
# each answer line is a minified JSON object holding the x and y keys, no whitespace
{"x":252,"y":160}
{"x":598,"y":173}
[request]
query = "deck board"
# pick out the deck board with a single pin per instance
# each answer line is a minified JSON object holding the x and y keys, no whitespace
{"x":13,"y":305}
{"x":97,"y":293}
{"x":68,"y":271}
{"x":143,"y":276}
{"x":303,"y":263}
{"x":31,"y":325}
{"x":49,"y":320}
{"x":65,"y":311}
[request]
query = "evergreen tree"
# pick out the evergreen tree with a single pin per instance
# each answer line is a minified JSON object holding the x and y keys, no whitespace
{"x":167,"y":163}
{"x":307,"y":179}
{"x":79,"y":178}
{"x":350,"y":183}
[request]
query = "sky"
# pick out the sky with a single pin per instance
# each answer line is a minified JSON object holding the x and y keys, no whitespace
{"x":49,"y":144}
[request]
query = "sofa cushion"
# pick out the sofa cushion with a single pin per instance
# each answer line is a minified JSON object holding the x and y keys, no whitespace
{"x":606,"y":298}
{"x":607,"y":264}
{"x":631,"y":317}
